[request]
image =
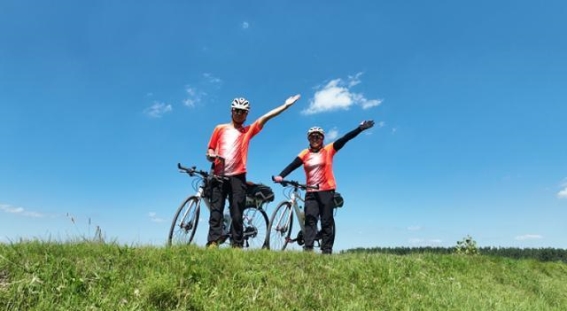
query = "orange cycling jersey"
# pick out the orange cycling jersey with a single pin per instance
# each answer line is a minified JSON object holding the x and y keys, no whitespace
{"x":318,"y":167}
{"x":231,"y":144}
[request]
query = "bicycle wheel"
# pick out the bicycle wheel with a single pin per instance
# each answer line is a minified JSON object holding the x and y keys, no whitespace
{"x":185,"y":221}
{"x":255,"y":223}
{"x":334,"y":232}
{"x":279,"y":229}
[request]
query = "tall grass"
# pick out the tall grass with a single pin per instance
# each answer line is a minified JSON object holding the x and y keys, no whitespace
{"x":38,"y":275}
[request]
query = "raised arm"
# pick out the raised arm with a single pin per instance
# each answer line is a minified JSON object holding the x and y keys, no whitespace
{"x":339,"y":143}
{"x":276,"y":111}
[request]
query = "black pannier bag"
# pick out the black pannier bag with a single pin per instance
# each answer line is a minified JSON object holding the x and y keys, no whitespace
{"x":339,"y":201}
{"x":259,"y":192}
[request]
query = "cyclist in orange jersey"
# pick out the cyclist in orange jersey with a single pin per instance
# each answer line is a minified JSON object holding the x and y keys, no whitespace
{"x":229,"y":142}
{"x":317,"y":161}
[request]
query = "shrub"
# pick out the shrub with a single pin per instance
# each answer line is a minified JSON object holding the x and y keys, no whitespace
{"x":467,"y":246}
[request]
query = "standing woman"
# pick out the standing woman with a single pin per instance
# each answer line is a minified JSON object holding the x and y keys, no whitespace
{"x":317,"y":161}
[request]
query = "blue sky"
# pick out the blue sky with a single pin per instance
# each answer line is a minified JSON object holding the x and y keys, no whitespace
{"x":99,"y":101}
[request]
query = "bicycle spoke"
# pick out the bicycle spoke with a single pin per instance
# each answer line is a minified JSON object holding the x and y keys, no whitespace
{"x":185,"y":222}
{"x":280,"y":227}
{"x":255,"y":223}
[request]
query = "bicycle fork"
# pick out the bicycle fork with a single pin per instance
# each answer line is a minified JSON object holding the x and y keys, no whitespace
{"x":188,"y":221}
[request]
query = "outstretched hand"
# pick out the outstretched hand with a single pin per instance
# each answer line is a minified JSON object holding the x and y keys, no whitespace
{"x":276,"y":111}
{"x":277,"y":179}
{"x":292,"y":99}
{"x":366,"y":124}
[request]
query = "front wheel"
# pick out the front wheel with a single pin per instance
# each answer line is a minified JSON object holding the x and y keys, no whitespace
{"x":255,"y":222}
{"x":279,"y":229}
{"x":184,"y":224}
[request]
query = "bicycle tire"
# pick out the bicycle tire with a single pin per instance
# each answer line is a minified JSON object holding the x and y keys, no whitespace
{"x":334,"y":232}
{"x":279,"y":233}
{"x":255,"y":222}
{"x":185,"y":221}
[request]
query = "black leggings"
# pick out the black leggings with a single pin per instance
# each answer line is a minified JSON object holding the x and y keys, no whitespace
{"x":319,"y":204}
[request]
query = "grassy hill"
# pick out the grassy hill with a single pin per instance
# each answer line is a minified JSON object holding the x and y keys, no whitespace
{"x":100,"y":276}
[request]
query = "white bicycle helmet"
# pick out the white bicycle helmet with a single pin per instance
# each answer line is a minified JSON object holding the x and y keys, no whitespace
{"x":316,"y":129}
{"x":240,"y":103}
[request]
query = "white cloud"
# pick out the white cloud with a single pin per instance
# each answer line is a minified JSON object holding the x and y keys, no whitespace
{"x":12,"y":210}
{"x":19,"y":211}
{"x":211,"y":79}
{"x":352,"y":81}
{"x":528,"y":237}
{"x":370,"y":103}
{"x":196,"y":95}
{"x":154,"y":218}
{"x":193,"y":97}
{"x":245,"y":25}
{"x":381,"y":124}
{"x":332,"y":134}
{"x":157,"y":110}
{"x":189,"y":102}
{"x":425,"y":242}
{"x":414,"y":228}
{"x":562,"y":194}
{"x":337,"y":95}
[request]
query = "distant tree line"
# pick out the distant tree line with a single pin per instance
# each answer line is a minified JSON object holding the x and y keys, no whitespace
{"x":541,"y":254}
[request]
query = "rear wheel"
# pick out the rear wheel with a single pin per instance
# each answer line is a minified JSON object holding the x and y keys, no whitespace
{"x":184,"y":224}
{"x":279,"y":229}
{"x":334,"y":231}
{"x":255,"y":222}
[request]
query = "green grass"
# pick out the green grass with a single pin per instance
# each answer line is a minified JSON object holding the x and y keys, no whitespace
{"x":100,"y":276}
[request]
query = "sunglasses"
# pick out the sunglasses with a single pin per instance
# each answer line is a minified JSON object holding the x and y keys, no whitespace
{"x":315,"y":137}
{"x":240,"y":111}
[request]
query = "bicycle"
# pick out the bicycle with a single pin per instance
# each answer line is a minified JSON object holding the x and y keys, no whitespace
{"x":186,"y":219}
{"x":281,"y":221}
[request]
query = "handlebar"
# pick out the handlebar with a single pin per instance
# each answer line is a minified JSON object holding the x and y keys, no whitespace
{"x":296,"y":184}
{"x":192,"y":171}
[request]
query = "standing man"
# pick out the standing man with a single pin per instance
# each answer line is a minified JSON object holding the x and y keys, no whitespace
{"x":228,"y":150}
